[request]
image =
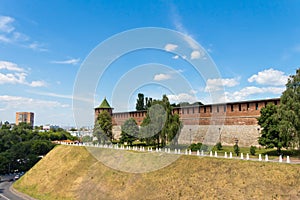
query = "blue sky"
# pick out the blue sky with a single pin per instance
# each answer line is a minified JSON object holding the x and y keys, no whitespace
{"x":254,"y":45}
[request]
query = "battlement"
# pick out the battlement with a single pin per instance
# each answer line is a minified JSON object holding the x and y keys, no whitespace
{"x":233,"y":120}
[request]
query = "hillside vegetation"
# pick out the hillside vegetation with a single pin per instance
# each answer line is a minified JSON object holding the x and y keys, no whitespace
{"x":73,"y":173}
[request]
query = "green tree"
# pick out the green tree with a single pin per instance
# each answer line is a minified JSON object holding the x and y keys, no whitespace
{"x":103,"y":127}
{"x":21,"y":146}
{"x":236,"y":149}
{"x":160,"y":125}
{"x":289,"y":112}
{"x":148,"y":103}
{"x":219,"y":146}
{"x":87,"y":138}
{"x":270,"y":135}
{"x":252,"y":150}
{"x":130,"y":131}
{"x":140,"y":105}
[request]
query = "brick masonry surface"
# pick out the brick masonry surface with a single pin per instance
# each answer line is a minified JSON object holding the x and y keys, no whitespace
{"x":210,"y":123}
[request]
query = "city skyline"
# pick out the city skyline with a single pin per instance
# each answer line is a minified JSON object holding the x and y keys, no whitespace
{"x":255,"y":46}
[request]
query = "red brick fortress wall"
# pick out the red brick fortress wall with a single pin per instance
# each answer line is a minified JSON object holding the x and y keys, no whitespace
{"x":235,"y":113}
{"x":228,"y":122}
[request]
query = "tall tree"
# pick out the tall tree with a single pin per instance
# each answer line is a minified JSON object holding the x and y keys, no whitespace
{"x":270,"y":134}
{"x":140,"y":105}
{"x":289,"y":111}
{"x":103,"y":127}
{"x":130,"y":131}
{"x":160,"y":125}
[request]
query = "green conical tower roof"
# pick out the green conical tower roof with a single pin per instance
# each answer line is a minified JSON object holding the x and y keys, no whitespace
{"x":104,"y":104}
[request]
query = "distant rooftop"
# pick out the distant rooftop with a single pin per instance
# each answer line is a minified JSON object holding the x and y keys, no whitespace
{"x":104,"y":104}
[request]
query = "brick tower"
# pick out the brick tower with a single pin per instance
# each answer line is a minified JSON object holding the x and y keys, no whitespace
{"x":102,"y":107}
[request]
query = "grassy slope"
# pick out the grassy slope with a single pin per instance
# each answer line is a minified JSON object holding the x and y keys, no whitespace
{"x":72,"y":173}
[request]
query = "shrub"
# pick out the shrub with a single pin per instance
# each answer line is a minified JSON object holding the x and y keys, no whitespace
{"x":205,"y":147}
{"x":219,"y":146}
{"x":252,"y":150}
{"x":199,"y":146}
{"x":236,"y":149}
{"x":195,"y":147}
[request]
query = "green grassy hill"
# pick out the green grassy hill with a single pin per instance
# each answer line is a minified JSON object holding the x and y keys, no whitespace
{"x":73,"y":173}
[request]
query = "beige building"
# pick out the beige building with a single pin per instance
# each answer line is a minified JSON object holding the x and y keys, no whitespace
{"x":27,"y":117}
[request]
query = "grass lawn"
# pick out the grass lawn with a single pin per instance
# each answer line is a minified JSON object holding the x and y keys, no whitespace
{"x":71,"y":172}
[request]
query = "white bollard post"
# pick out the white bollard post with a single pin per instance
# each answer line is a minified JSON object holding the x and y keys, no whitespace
{"x":266,"y":158}
{"x":178,"y":151}
{"x":216,"y":154}
{"x":259,"y":157}
{"x":210,"y":153}
{"x":225,"y":155}
{"x":175,"y":151}
{"x":247,"y":156}
{"x":242,"y":156}
{"x":288,"y":159}
{"x":230,"y":155}
{"x":202,"y":153}
{"x":186,"y":152}
{"x":280,"y":158}
{"x":169,"y":150}
{"x":198,"y":153}
{"x":190,"y":152}
{"x":166,"y":150}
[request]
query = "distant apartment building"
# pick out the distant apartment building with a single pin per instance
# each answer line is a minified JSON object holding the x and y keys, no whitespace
{"x":27,"y":117}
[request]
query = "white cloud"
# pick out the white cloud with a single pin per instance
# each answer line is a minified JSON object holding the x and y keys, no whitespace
{"x":269,"y":77}
{"x":6,"y":24}
{"x":182,"y":97}
{"x":50,"y":94}
{"x":196,"y":54}
{"x":175,"y":57}
{"x":7,"y":31}
{"x":19,"y":36}
{"x":192,"y":43}
{"x":171,"y":47}
{"x":4,"y":39}
{"x":252,"y":90}
{"x":193,"y":91}
{"x":72,"y":61}
{"x":8,"y":34}
{"x":218,"y":84}
{"x":176,"y":18}
{"x":37,"y":46}
{"x":17,"y":102}
{"x":10,"y":66}
{"x":16,"y":75}
{"x":64,"y":96}
{"x":162,"y":77}
{"x":13,"y":78}
{"x":37,"y":84}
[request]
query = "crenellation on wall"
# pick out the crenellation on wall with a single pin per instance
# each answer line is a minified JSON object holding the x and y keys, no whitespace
{"x":237,"y":120}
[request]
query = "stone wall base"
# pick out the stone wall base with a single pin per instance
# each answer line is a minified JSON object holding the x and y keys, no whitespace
{"x":247,"y":135}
